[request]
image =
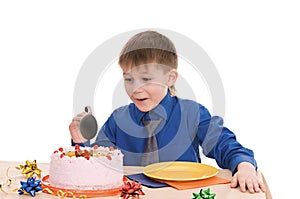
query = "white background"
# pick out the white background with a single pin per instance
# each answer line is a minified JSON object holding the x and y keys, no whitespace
{"x":253,"y":44}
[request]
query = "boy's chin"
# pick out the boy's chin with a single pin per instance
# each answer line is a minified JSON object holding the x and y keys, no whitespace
{"x":144,"y":108}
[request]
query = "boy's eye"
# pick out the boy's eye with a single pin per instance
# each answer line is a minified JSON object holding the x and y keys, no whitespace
{"x":128,"y":79}
{"x":146,"y":79}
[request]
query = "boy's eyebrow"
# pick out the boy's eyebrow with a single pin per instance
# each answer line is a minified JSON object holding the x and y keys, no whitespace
{"x":126,"y":73}
{"x":144,"y":72}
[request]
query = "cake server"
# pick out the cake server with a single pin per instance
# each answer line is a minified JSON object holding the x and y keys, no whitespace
{"x":88,"y":125}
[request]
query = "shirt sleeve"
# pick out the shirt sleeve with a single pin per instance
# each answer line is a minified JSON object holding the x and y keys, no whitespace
{"x":106,"y":135}
{"x":220,"y":143}
{"x":87,"y":143}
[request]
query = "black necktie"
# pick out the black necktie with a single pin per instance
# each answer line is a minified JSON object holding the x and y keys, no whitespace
{"x":150,"y":154}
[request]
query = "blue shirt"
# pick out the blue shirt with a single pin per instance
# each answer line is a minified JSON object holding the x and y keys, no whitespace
{"x":185,"y":126}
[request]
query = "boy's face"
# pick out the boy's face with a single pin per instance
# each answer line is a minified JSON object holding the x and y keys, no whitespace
{"x":147,"y":85}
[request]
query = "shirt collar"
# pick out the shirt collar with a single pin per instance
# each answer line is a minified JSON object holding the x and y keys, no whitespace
{"x":162,"y":110}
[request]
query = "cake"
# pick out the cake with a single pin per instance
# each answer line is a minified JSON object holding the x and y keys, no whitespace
{"x":86,"y":168}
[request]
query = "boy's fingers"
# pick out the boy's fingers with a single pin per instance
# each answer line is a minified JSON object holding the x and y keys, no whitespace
{"x":73,"y":127}
{"x":76,"y":119}
{"x":234,"y":182}
{"x":256,"y":188}
{"x":79,"y":116}
{"x":242,"y":184}
{"x":262,"y":186}
{"x":250,"y":185}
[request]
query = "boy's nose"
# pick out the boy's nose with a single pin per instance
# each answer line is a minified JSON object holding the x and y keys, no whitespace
{"x":135,"y":87}
{"x":138,"y":87}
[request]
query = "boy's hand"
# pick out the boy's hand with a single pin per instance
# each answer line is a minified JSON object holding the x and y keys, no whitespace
{"x":74,"y":128}
{"x":246,"y":177}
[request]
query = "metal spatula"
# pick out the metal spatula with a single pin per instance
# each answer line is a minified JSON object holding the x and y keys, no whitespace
{"x":88,"y":125}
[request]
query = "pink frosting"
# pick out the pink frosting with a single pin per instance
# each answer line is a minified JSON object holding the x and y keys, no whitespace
{"x":96,"y":173}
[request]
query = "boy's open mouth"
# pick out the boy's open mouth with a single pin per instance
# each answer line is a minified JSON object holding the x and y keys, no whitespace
{"x":141,"y":99}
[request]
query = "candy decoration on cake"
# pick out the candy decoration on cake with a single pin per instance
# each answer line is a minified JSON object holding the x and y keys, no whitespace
{"x":131,"y":189}
{"x":31,"y":187}
{"x":29,"y":169}
{"x":204,"y":194}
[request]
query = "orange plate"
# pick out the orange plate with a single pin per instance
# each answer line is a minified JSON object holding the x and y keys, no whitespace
{"x":70,"y":192}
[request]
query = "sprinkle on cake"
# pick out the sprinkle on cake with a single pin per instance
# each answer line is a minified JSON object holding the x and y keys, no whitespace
{"x":88,"y":152}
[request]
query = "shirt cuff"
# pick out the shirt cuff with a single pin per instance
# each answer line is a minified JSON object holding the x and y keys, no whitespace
{"x":87,"y":143}
{"x":238,"y":160}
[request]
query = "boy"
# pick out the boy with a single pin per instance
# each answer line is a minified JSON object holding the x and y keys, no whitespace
{"x":158,"y":126}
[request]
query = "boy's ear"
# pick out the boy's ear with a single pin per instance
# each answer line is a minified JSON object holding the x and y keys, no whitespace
{"x":173,"y":75}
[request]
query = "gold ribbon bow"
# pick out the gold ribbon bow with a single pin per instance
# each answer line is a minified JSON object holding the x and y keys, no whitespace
{"x":29,"y":169}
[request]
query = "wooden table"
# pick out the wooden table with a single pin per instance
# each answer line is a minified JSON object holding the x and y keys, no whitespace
{"x":222,"y":191}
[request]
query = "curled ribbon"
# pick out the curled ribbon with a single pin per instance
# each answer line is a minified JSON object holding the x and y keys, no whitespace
{"x":12,"y":191}
{"x":63,"y":194}
{"x":7,"y":183}
{"x":33,"y":186}
{"x":29,"y":169}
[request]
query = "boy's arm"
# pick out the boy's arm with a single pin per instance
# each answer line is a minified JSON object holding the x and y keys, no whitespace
{"x":106,"y":135}
{"x":220,"y":143}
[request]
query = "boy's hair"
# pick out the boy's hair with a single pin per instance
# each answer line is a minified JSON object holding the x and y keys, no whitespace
{"x":149,"y":47}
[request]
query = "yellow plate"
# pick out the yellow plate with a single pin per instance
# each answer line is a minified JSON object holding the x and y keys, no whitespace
{"x":180,"y":171}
